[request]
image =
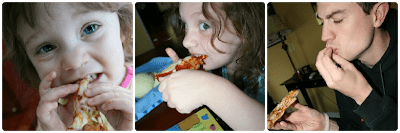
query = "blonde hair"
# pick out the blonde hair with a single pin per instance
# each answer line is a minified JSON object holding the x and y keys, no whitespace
{"x":14,"y":13}
{"x":249,"y":21}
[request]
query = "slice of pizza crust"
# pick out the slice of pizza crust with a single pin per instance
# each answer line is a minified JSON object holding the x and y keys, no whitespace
{"x":86,"y":118}
{"x":190,"y":62}
{"x":280,"y":109}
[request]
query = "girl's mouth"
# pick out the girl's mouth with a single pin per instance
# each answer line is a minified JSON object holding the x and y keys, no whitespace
{"x":92,"y":78}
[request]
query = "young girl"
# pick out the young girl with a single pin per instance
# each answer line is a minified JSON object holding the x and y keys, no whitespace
{"x":232,"y":35}
{"x":54,"y":45}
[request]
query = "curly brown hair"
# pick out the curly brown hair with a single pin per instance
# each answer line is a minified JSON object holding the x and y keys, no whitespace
{"x":249,"y":22}
{"x":15,"y":13}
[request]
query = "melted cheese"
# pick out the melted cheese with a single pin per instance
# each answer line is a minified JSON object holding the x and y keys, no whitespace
{"x":280,"y":109}
{"x":84,"y":114}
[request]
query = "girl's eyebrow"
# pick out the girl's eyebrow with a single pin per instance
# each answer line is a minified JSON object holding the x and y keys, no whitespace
{"x":35,"y":34}
{"x":80,"y":12}
{"x":192,"y":15}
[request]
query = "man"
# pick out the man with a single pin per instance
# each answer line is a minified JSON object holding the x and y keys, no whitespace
{"x":360,"y":64}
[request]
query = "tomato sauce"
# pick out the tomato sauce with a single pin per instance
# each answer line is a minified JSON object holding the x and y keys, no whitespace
{"x":188,"y":63}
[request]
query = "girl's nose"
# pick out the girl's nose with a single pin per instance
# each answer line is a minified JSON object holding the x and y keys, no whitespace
{"x":75,"y":58}
{"x":191,"y":39}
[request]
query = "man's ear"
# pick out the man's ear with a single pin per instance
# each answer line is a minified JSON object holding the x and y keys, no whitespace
{"x":379,"y":12}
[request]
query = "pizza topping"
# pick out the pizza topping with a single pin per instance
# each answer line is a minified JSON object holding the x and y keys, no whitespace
{"x":86,"y":117}
{"x":280,"y":109}
{"x":94,"y":127}
{"x":190,"y":62}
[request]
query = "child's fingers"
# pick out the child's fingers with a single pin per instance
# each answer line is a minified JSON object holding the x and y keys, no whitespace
{"x":120,"y":104}
{"x":47,"y":114}
{"x":56,"y":93}
{"x":45,"y":84}
{"x":100,"y":88}
{"x":46,"y":110}
{"x":104,"y":97}
{"x":172,"y":54}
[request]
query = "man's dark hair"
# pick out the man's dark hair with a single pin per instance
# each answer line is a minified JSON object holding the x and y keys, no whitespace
{"x":366,"y":6}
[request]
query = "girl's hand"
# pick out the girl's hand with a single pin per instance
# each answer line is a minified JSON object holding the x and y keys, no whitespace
{"x":115,"y":103}
{"x":186,"y":90}
{"x":47,"y":109}
{"x":172,"y":54}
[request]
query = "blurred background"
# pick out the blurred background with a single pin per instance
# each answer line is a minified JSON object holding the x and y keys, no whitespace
{"x":153,"y":33}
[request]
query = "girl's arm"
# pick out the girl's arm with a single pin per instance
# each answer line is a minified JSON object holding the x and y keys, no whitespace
{"x":237,"y":109}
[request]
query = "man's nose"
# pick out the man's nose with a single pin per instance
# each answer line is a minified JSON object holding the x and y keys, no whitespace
{"x":191,"y":39}
{"x":74,"y":58}
{"x":327,"y":33}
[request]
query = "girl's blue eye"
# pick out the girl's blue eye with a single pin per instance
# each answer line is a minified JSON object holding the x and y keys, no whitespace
{"x":46,"y":48}
{"x":204,"y":26}
{"x":89,"y":29}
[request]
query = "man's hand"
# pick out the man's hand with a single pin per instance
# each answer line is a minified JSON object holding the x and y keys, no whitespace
{"x":304,"y":118}
{"x":345,"y":79}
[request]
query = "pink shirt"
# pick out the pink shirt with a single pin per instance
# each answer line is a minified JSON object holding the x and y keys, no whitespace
{"x":128,"y":77}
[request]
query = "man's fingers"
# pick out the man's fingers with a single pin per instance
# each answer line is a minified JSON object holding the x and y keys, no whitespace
{"x":298,"y":106}
{"x":328,"y":62}
{"x":341,"y":61}
{"x":321,"y":68}
{"x":284,"y":125}
{"x":172,"y":54}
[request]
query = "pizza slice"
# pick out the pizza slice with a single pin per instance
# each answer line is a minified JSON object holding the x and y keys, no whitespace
{"x":190,"y":62}
{"x":86,"y":118}
{"x":280,"y":109}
